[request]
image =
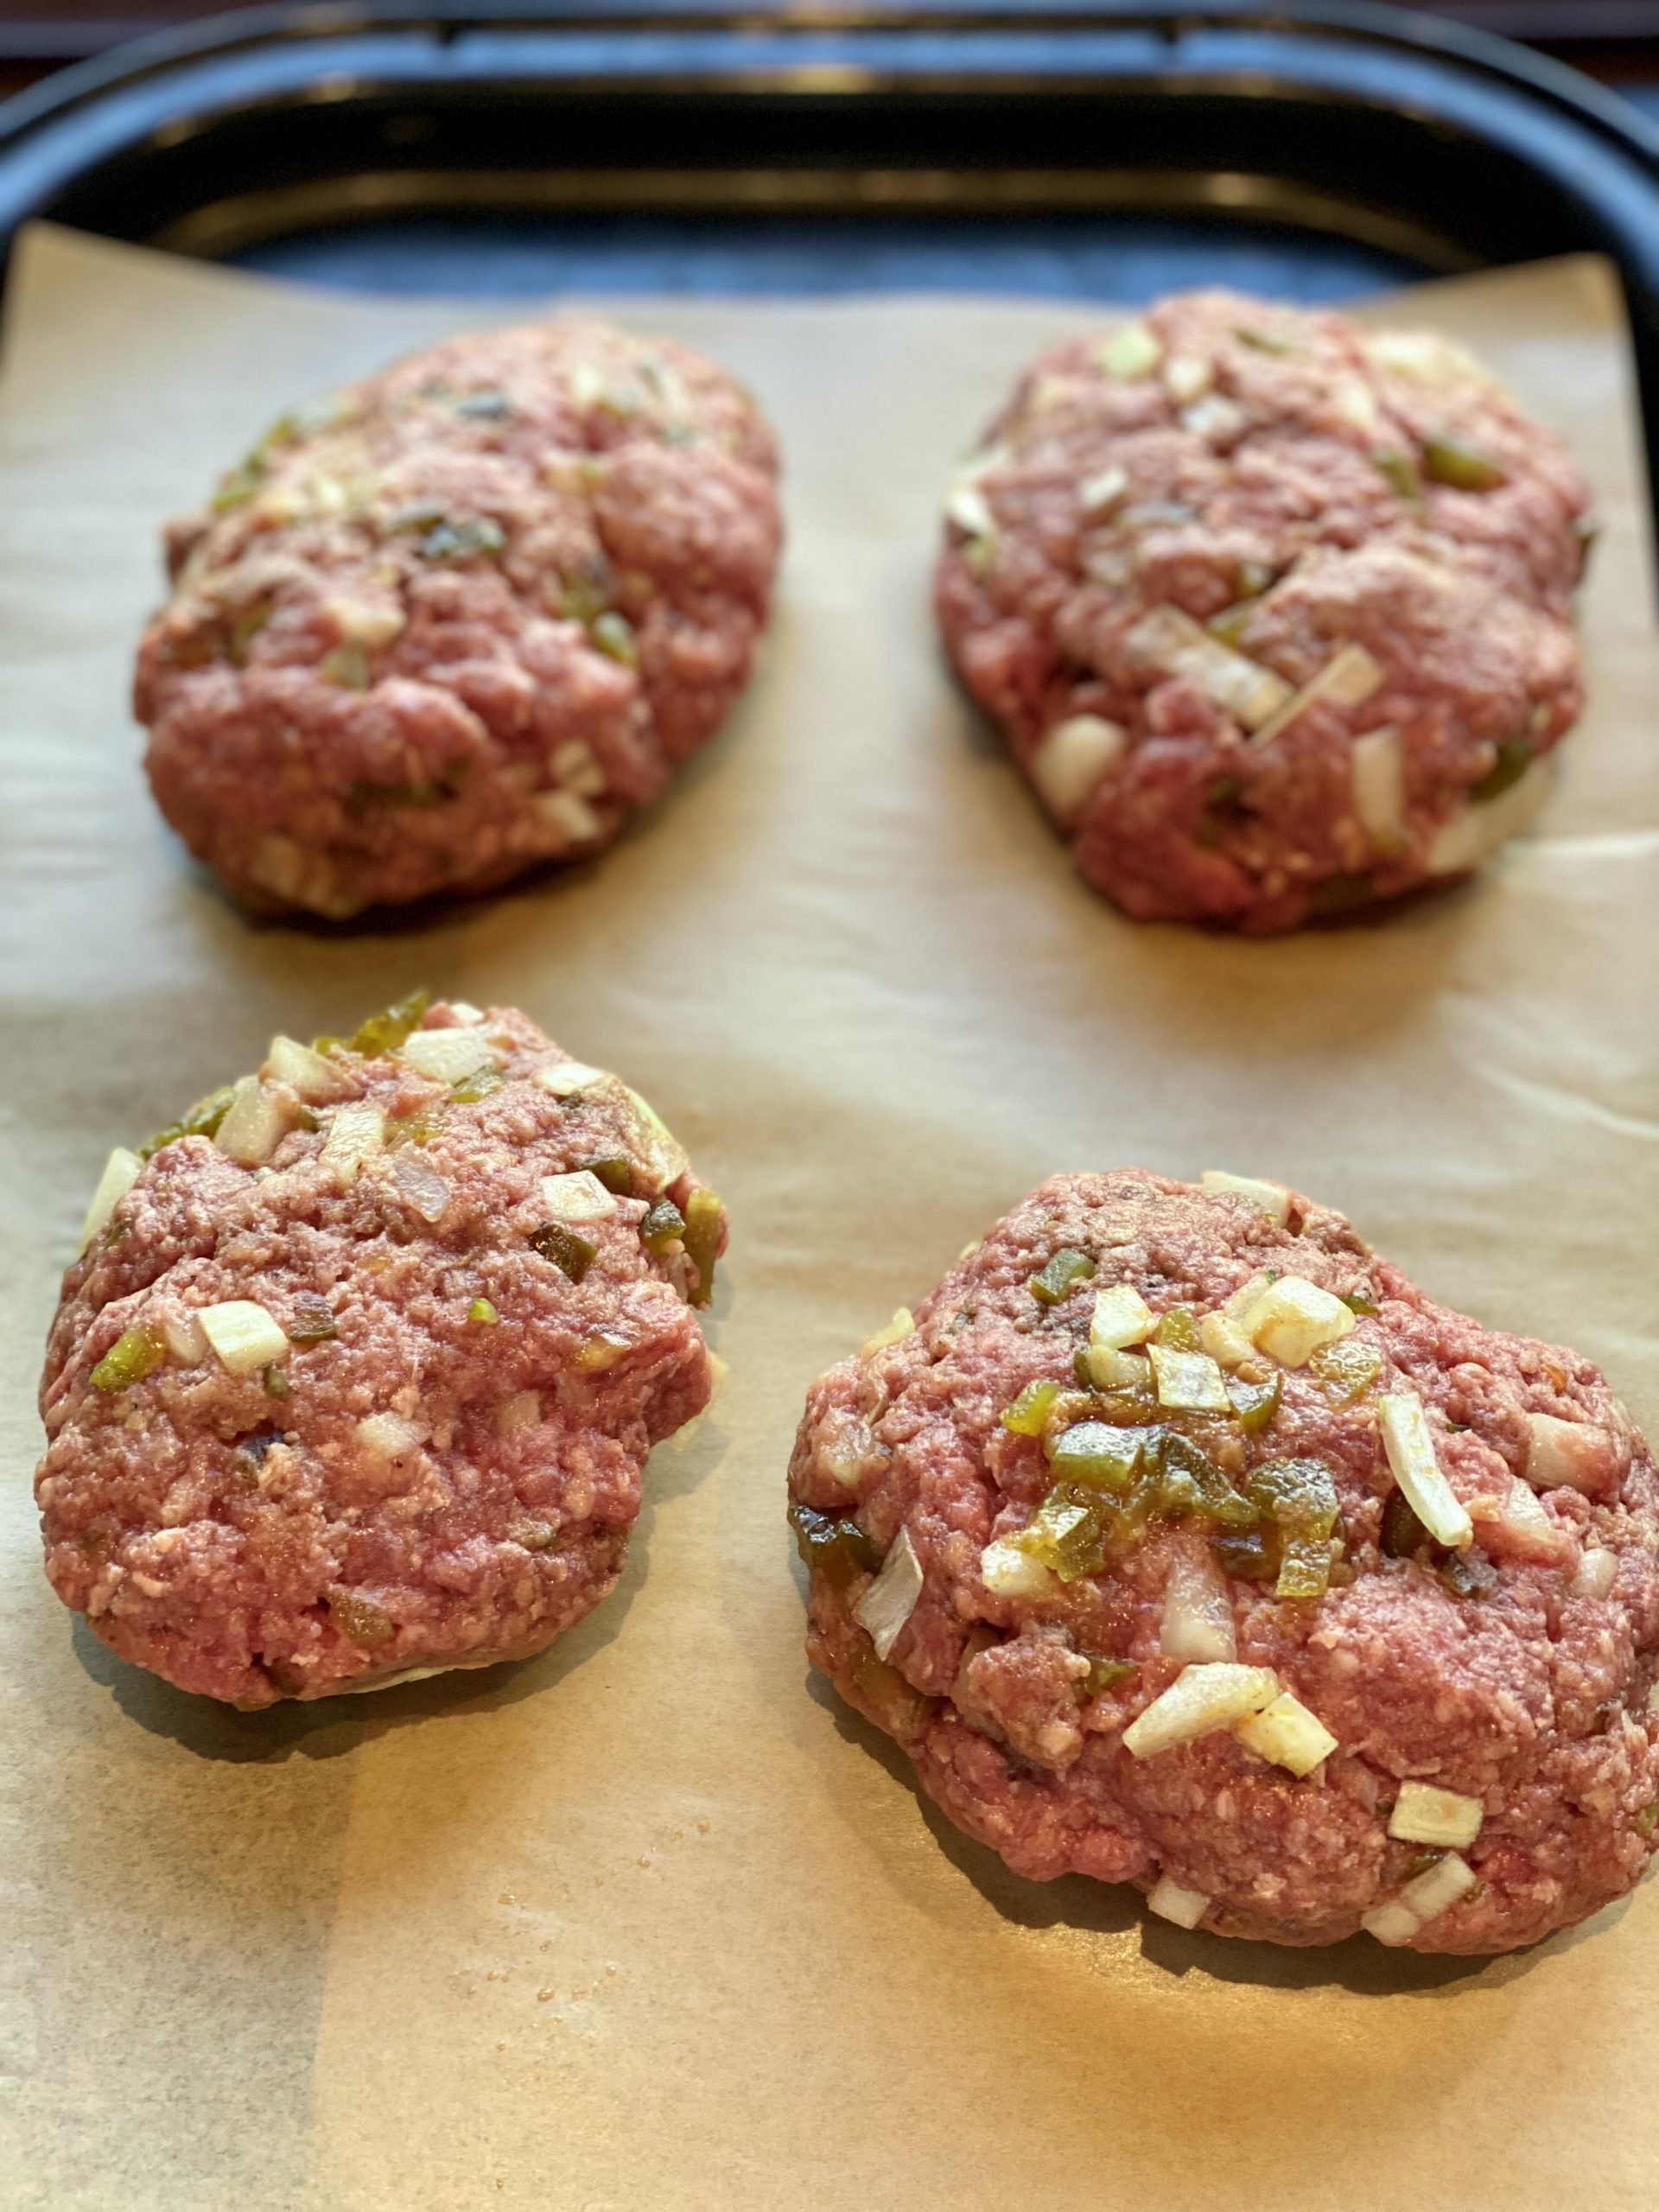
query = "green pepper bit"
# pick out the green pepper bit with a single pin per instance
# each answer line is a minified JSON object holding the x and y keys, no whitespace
{"x":571,"y":1254}
{"x":1448,"y":459}
{"x":483,"y":1313}
{"x":201,"y":1121}
{"x":839,"y":1549}
{"x":1398,"y":465}
{"x":1026,"y":1415}
{"x":614,"y":634}
{"x":1648,"y":1819}
{"x":1178,"y":1330}
{"x":1252,"y":1554}
{"x":1189,"y":1482}
{"x":1300,"y":1497}
{"x":1255,"y":1403}
{"x":1099,"y":1456}
{"x":1107,"y":1674}
{"x":664,"y":1225}
{"x":276,"y":1384}
{"x":704,"y":1216}
{"x":1068,"y":1533}
{"x":1065,"y":1268}
{"x":1360,"y":1302}
{"x":893,"y":1703}
{"x":614,"y":1170}
{"x":479,"y":1084}
{"x":383,"y":1032}
{"x":128,"y":1359}
{"x":1513,"y":761}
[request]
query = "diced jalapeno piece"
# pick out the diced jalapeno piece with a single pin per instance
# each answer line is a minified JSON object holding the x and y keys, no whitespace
{"x":1066,"y":1267}
{"x":1300,"y":1499}
{"x":492,"y":406}
{"x":202,"y":1121}
{"x":347,"y":665}
{"x":276,"y":1384}
{"x":1403,"y":1536}
{"x":1028,"y":1414}
{"x":1255,"y":1403}
{"x":1398,"y":465}
{"x":1648,"y":1819}
{"x":1448,"y":459}
{"x":1345,"y":1371}
{"x":1107,"y":1674}
{"x":1230,"y":624}
{"x":383,"y":1032}
{"x":664,"y":1225}
{"x":1189,"y":1481}
{"x":1252,"y":1554}
{"x":614,"y":1171}
{"x":1360,"y":1302}
{"x":839,"y":1549}
{"x":614,"y":634}
{"x":128,"y":1359}
{"x":462,"y":541}
{"x":897,"y":1707}
{"x":1099,"y":1456}
{"x":1514,"y":759}
{"x":1067,"y":1533}
{"x":1179,"y":1330}
{"x":1303,"y":1569}
{"x":704,"y":1215}
{"x":482,"y":1312}
{"x":364,"y":1622}
{"x":479,"y":1084}
{"x":572,"y":1254}
{"x":311,"y":1323}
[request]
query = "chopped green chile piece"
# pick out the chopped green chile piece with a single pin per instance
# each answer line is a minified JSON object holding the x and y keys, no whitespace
{"x":479,"y":1084}
{"x":1178,"y":1330}
{"x":1066,"y":1267}
{"x":704,"y":1215}
{"x":1345,"y":1371}
{"x":572,"y":1254}
{"x":360,"y":1619}
{"x":1067,"y":1533}
{"x":1303,"y":1569}
{"x":202,"y":1121}
{"x":664,"y":1225}
{"x":276,"y":1384}
{"x":1250,"y":1554}
{"x":311,"y":1323}
{"x":1093,"y":1454}
{"x":1255,"y":1403}
{"x":614,"y":634}
{"x":1398,"y":465}
{"x":1360,"y":1302}
{"x":1402,"y":1536}
{"x":838,"y":1549}
{"x":1299,"y":1496}
{"x":1107,"y":1674}
{"x":1265,"y":341}
{"x":1028,"y":1414}
{"x":383,"y":1032}
{"x":1448,"y":459}
{"x":1230,"y":624}
{"x":1648,"y":1819}
{"x":1189,"y":1482}
{"x":348,"y":667}
{"x":901,"y":1709}
{"x":462,"y":541}
{"x":482,"y":1311}
{"x":128,"y":1359}
{"x":1514,"y":759}
{"x":614,"y":1171}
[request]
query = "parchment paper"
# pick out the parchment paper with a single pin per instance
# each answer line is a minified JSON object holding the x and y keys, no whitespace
{"x":648,"y":1922}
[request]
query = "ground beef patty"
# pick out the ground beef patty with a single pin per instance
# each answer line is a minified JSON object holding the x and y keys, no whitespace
{"x":1180,"y":1541}
{"x":1274,"y":612}
{"x":460,"y":618}
{"x":358,"y":1368}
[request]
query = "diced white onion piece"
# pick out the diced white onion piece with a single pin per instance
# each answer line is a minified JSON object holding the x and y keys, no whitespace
{"x":1122,"y":1317}
{"x":1653,"y":1699}
{"x":1187,"y":376}
{"x":1523,"y":1529}
{"x":388,"y":1436}
{"x":364,"y":622}
{"x":1425,"y":356}
{"x":1129,"y":353}
{"x":902,"y":1324}
{"x":523,"y":1410}
{"x":1293,"y":1318}
{"x":1393,"y":1925}
{"x":1598,"y":1571}
{"x":243,"y":1334}
{"x":574,"y":766}
{"x":1286,"y":1734}
{"x":569,"y":813}
{"x":447,"y":1055}
{"x":1353,"y":402}
{"x":1198,"y":1622}
{"x":1173,"y":642}
{"x":314,"y":1077}
{"x":254,"y":1124}
{"x":1199,"y":1699}
{"x":565,"y":1077}
{"x":1424,"y":1814}
{"x":1186,"y":1908}
{"x":1118,"y":1371}
{"x":1270,"y":1198}
{"x":420,"y":1183}
{"x":1410,"y":1447}
{"x":1347,"y":679}
{"x":891,"y":1598}
{"x":1224,"y":1341}
{"x":578,"y":1197}
{"x":356,"y":1133}
{"x":1188,"y":1381}
{"x":1009,"y":1572}
{"x":1474,"y":833}
{"x":1098,"y":492}
{"x":1071,"y":759}
{"x":185,"y":1338}
{"x":1570,"y":1455}
{"x":121,"y":1171}
{"x":1218,"y":422}
{"x":981,"y":463}
{"x":466,"y":1012}
{"x":970,"y":509}
{"x":1438,"y":1887}
{"x":1377,"y":770}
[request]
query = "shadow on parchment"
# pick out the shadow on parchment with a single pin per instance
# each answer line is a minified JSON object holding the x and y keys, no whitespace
{"x":1362,"y":1967}
{"x":332,"y":1727}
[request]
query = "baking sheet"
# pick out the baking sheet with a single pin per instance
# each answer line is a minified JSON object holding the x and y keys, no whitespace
{"x":648,"y":1922}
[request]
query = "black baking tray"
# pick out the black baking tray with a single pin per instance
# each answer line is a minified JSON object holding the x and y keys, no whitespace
{"x":1108,"y":151}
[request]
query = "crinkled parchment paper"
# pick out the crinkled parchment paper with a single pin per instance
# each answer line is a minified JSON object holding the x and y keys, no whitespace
{"x":647,"y":1922}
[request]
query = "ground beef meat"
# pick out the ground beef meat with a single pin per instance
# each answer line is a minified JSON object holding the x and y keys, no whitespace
{"x":1168,"y":535}
{"x":460,"y":618}
{"x":357,"y":1372}
{"x":1232,"y":1497}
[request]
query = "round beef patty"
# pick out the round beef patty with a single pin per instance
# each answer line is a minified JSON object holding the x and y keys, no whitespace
{"x":356,"y":1370}
{"x":1274,"y":612}
{"x":460,"y":618}
{"x":1181,"y":1541}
